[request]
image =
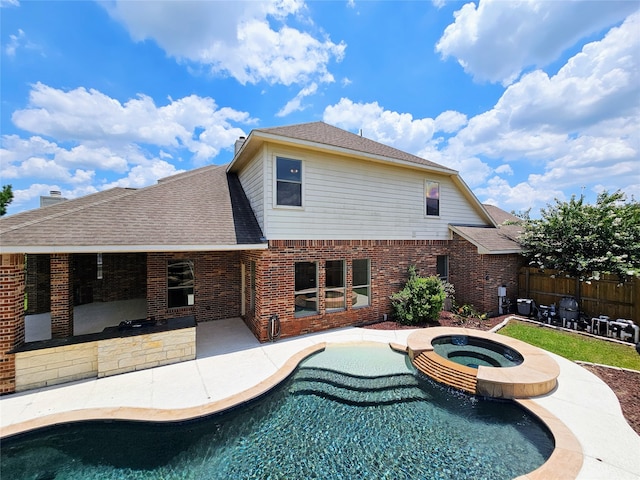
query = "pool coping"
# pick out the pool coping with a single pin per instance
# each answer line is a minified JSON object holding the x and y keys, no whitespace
{"x":565,"y":461}
{"x":536,"y":375}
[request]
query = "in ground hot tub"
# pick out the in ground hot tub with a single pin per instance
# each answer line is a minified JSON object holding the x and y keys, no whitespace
{"x":476,"y":351}
{"x":482,"y":363}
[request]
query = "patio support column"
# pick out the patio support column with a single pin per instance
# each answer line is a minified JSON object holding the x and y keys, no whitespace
{"x":61,"y":296}
{"x":12,"y":283}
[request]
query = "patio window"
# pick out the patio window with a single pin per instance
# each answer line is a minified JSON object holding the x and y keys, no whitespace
{"x":432,"y":194}
{"x":288,"y":182}
{"x":306,"y":289}
{"x":180,"y":282}
{"x":335,"y":281}
{"x":361,"y":290}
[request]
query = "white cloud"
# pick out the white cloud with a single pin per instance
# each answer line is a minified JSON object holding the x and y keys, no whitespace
{"x":295,"y":104}
{"x":234,"y":38}
{"x":496,"y":40}
{"x":92,"y":117}
{"x":82,"y":138}
{"x":15,"y":41}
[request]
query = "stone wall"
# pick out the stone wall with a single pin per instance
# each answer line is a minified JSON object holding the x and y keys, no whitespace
{"x":102,"y":358}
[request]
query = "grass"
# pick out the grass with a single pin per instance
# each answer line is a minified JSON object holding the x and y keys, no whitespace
{"x":574,"y":346}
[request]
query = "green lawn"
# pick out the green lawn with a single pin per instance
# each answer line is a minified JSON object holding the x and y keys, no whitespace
{"x":574,"y":346}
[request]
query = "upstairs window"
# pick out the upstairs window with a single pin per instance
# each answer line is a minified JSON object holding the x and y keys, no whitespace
{"x":288,"y":182}
{"x":432,"y":193}
{"x":180,"y":283}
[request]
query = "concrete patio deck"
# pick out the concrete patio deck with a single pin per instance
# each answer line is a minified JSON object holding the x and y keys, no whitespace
{"x":231,"y":362}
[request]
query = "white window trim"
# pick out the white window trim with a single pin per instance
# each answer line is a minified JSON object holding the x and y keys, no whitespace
{"x":274,"y":169}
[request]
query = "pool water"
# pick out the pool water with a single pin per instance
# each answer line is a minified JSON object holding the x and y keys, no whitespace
{"x":349,"y":412}
{"x":475,"y":351}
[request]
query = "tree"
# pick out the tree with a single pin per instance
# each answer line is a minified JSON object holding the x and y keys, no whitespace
{"x":584,"y":240}
{"x":6,"y":196}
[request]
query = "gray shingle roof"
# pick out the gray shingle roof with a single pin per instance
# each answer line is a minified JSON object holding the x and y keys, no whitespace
{"x":325,"y":134}
{"x":186,"y":211}
{"x":502,"y":239}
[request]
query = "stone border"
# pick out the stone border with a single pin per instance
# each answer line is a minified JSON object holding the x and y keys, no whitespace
{"x":536,"y":375}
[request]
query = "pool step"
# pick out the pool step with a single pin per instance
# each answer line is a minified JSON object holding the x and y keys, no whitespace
{"x":444,"y":371}
{"x":357,"y":390}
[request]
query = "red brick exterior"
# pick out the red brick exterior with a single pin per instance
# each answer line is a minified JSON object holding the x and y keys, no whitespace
{"x":12,"y":285}
{"x":476,"y":277}
{"x":389,"y":261}
{"x":61,"y":296}
{"x":217,"y":285}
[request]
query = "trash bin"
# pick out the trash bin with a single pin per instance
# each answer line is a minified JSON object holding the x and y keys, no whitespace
{"x":525,"y":306}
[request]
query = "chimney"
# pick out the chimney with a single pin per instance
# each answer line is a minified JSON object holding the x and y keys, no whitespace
{"x":55,"y":196}
{"x":239,"y":143}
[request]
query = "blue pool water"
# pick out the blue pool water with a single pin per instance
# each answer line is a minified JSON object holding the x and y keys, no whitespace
{"x":349,"y":412}
{"x":475,"y":351}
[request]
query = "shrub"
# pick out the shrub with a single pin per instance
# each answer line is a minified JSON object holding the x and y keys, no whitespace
{"x":419,"y":301}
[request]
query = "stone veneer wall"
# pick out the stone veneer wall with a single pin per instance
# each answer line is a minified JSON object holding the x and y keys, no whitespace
{"x":389,"y":260}
{"x":217,"y":285}
{"x":101,"y":358}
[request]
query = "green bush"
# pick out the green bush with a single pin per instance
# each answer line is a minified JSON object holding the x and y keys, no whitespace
{"x":419,"y":301}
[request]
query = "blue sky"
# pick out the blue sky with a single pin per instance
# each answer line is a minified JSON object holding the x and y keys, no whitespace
{"x":529,"y":101}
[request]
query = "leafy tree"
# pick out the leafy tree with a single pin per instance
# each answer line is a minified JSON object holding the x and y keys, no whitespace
{"x":6,"y":196}
{"x":420,"y":300}
{"x":584,"y":240}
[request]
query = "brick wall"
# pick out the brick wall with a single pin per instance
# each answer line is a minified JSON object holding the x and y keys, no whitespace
{"x":12,"y":288}
{"x":37,"y":287}
{"x":477,"y":277}
{"x":61,"y":296}
{"x":217,"y":285}
{"x":389,"y":261}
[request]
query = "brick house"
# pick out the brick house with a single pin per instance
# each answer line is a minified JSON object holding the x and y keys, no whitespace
{"x":309,"y":225}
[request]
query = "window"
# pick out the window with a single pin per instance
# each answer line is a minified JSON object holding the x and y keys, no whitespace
{"x":442,"y":267}
{"x":288,"y":182}
{"x":334,"y":293}
{"x":99,"y":266}
{"x":306,"y":289}
{"x":361,"y":291}
{"x":180,"y":282}
{"x":432,"y":193}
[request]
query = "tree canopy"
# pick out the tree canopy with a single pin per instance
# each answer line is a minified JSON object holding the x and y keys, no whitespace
{"x":586,"y":240}
{"x":6,"y":196}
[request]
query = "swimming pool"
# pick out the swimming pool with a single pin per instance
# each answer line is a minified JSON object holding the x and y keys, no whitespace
{"x":348,"y":412}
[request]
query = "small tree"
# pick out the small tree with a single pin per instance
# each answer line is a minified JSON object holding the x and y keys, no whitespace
{"x":420,"y":300}
{"x":6,"y":196}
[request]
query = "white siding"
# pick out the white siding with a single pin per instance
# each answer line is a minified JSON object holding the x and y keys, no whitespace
{"x":352,"y":199}
{"x":252,"y":179}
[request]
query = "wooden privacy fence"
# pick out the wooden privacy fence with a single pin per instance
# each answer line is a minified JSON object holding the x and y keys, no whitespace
{"x":607,"y":296}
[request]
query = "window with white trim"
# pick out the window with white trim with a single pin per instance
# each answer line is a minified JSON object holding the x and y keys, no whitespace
{"x":361,"y":283}
{"x":288,"y":182}
{"x":432,"y":195}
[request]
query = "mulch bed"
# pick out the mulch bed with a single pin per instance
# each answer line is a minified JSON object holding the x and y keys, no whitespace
{"x":624,"y":383}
